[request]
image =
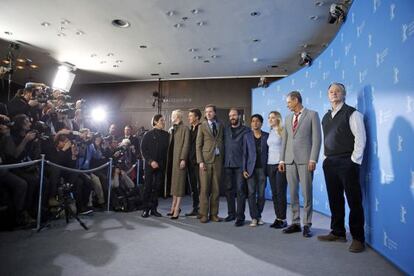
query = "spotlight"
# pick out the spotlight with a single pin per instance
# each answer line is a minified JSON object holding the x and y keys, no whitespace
{"x":98,"y":114}
{"x":64,"y":78}
{"x":336,"y":13}
{"x":305,"y":59}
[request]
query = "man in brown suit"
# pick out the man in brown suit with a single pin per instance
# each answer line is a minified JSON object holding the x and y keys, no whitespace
{"x":210,"y":151}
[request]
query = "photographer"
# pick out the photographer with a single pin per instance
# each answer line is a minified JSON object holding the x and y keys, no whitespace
{"x":124,"y":157}
{"x":22,"y":103}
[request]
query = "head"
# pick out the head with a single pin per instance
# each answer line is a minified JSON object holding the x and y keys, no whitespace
{"x":234,"y":117}
{"x":128,"y":130}
{"x":256,"y":122}
{"x":84,"y":133}
{"x":21,"y":123}
{"x":294,"y":101}
{"x":112,"y":129}
{"x":61,"y":141}
{"x":336,"y":93}
{"x":158,"y":121}
{"x":210,"y":112}
{"x":27,"y":94}
{"x":275,"y":119}
{"x":78,"y":114}
{"x":176,"y":116}
{"x":194,"y":116}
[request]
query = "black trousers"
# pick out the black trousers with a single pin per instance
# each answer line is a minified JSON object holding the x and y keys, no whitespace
{"x":278,"y":184}
{"x":17,"y":187}
{"x":194,"y":180}
{"x":154,"y":180}
{"x":342,"y":174}
{"x":235,"y":187}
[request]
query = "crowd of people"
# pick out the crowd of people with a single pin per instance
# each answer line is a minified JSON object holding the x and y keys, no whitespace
{"x":198,"y":154}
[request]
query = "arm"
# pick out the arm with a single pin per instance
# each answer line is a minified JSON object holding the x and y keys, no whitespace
{"x":282,"y":166}
{"x":356,"y":123}
{"x":186,"y":148}
{"x":245,"y":156}
{"x":316,"y":138}
{"x":199,"y":145}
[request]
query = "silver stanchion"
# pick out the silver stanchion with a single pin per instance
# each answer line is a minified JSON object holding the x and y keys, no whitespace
{"x":39,"y":206}
{"x":109,"y":183}
{"x":137,"y":176}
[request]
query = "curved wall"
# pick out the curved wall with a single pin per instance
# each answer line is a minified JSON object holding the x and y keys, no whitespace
{"x":371,"y":55}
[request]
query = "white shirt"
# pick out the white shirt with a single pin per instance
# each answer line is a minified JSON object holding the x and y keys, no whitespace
{"x":300,"y":115}
{"x":275,"y":144}
{"x":356,"y":123}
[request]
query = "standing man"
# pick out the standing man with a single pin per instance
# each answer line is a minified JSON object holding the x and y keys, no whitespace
{"x":344,"y":143}
{"x":194,"y":117}
{"x":234,"y":182}
{"x":301,"y":142}
{"x":154,"y":148}
{"x":209,"y":151}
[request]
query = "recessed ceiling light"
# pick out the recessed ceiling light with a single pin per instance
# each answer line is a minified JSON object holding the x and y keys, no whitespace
{"x":195,"y":11}
{"x":154,"y":74}
{"x":197,"y":57}
{"x":20,"y":67}
{"x":119,"y":61}
{"x":93,"y":55}
{"x":143,"y":46}
{"x":159,"y":63}
{"x":79,"y":32}
{"x":255,"y":13}
{"x":21,"y":60}
{"x":185,"y":18}
{"x":65,"y":22}
{"x":256,"y":40}
{"x":115,"y":65}
{"x":215,"y":56}
{"x":319,"y":3}
{"x":110,"y":54}
{"x":61,"y":34}
{"x":8,"y":33}
{"x":34,"y":66}
{"x":274,"y":66}
{"x":255,"y":59}
{"x":45,"y":24}
{"x":174,"y":74}
{"x":120,"y":23}
{"x":6,"y":61}
{"x":201,"y":23}
{"x":192,"y":50}
{"x":178,"y":25}
{"x":325,"y":45}
{"x":212,"y":49}
{"x":103,"y":61}
{"x":206,"y":61}
{"x":170,"y":13}
{"x":313,"y":17}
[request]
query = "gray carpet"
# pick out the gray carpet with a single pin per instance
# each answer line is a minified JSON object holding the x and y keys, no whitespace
{"x":126,"y":244}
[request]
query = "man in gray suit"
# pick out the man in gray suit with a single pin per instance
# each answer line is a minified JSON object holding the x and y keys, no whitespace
{"x":301,"y":143}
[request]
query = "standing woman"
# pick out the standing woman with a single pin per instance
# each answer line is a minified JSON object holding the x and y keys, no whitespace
{"x":177,"y":158}
{"x":277,"y":179}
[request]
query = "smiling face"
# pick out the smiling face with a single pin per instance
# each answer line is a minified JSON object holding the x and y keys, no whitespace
{"x":256,"y":124}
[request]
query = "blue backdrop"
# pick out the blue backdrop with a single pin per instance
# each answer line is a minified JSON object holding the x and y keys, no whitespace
{"x":371,"y":55}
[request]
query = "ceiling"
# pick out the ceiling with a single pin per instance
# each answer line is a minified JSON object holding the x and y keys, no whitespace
{"x":229,"y":38}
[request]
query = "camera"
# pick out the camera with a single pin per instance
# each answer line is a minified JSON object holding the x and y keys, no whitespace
{"x":336,"y":13}
{"x":42,"y":130}
{"x":65,"y":195}
{"x":6,"y":123}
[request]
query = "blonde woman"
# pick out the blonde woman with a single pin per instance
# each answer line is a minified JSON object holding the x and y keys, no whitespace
{"x":277,"y":179}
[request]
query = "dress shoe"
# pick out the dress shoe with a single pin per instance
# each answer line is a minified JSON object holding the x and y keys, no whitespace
{"x":216,"y":219}
{"x":239,"y":223}
{"x":193,"y":213}
{"x":292,"y":229}
{"x":278,"y":224}
{"x":176,"y":217}
{"x":356,"y":246}
{"x":155,"y":213}
{"x":307,"y":233}
{"x":170,"y":213}
{"x":203,"y":219}
{"x":229,"y":218}
{"x":145,"y":214}
{"x":332,"y":237}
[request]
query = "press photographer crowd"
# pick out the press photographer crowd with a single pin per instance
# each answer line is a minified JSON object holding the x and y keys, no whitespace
{"x":41,"y":121}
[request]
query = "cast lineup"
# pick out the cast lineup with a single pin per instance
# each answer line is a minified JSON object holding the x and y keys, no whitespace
{"x":246,"y":157}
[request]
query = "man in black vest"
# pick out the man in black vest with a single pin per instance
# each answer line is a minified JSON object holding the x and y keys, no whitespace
{"x":344,"y":141}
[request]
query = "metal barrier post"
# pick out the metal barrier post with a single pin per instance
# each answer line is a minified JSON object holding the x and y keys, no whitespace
{"x":39,"y":207}
{"x":137,"y":176}
{"x":109,"y":183}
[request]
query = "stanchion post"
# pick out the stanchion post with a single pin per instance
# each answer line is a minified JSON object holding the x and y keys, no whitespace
{"x":109,"y":183}
{"x":39,"y":207}
{"x":137,"y":173}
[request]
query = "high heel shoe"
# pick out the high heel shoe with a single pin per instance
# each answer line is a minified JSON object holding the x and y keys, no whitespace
{"x":176,"y":217}
{"x":172,"y":213}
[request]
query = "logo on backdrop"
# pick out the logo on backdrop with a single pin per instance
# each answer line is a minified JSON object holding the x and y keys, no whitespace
{"x":362,"y":75}
{"x":369,"y":40}
{"x":412,"y":182}
{"x":400,"y":143}
{"x":410,"y":104}
{"x":407,"y":30}
{"x":392,"y":11}
{"x":390,"y":244}
{"x":403,"y":213}
{"x":292,"y":82}
{"x":381,"y":56}
{"x":386,"y":178}
{"x":336,"y":63}
{"x":376,"y":204}
{"x":332,"y":52}
{"x":353,"y":18}
{"x":384,"y":116}
{"x":320,"y":65}
{"x":355,"y":60}
{"x":325,"y":75}
{"x":312,"y":84}
{"x":360,"y":28}
{"x":343,"y":74}
{"x":396,"y":73}
{"x":347,"y":48}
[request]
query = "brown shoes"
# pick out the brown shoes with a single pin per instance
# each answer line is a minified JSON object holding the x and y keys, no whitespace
{"x":203,"y":219}
{"x":331,"y":237}
{"x":216,"y":218}
{"x":356,"y":246}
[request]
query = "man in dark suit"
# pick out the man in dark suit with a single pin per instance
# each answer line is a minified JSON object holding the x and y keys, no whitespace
{"x":194,"y":117}
{"x":209,"y":151}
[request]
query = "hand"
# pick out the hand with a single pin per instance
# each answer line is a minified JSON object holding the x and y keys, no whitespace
{"x":74,"y":150}
{"x":31,"y":135}
{"x":182,"y":164}
{"x":282,"y":167}
{"x":4,"y":118}
{"x":203,"y":167}
{"x":246,"y":174}
{"x":311,"y":166}
{"x":4,"y":130}
{"x":154,"y":165}
{"x":33,"y":103}
{"x":67,"y":145}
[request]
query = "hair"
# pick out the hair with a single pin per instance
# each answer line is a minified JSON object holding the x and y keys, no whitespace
{"x":279,"y":127}
{"x":340,"y":85}
{"x":196,"y":112}
{"x":235,"y":109}
{"x":128,"y":126}
{"x":19,"y":121}
{"x":296,"y":95}
{"x":258,"y":116}
{"x":210,"y":105}
{"x":179,"y":113}
{"x":155,"y":119}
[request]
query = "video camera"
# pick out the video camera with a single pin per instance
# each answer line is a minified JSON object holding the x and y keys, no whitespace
{"x":40,"y":91}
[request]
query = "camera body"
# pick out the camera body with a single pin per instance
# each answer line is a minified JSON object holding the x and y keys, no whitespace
{"x":336,"y":13}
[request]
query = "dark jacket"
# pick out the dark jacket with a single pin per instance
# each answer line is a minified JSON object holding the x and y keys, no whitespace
{"x":192,"y":156}
{"x":154,"y":147}
{"x":249,"y":151}
{"x":233,"y":146}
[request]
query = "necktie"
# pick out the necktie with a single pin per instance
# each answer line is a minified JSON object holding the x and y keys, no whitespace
{"x":295,"y":122}
{"x":214,"y":129}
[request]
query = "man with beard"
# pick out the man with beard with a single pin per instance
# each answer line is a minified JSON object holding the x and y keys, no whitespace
{"x":234,"y":182}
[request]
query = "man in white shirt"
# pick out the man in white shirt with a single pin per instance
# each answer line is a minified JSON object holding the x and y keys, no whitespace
{"x":344,"y":143}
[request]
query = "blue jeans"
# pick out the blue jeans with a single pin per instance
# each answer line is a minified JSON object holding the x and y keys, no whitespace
{"x":256,"y":186}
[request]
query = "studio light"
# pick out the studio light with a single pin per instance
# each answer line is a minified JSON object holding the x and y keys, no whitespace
{"x":64,"y":78}
{"x":98,"y":114}
{"x":305,"y":59}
